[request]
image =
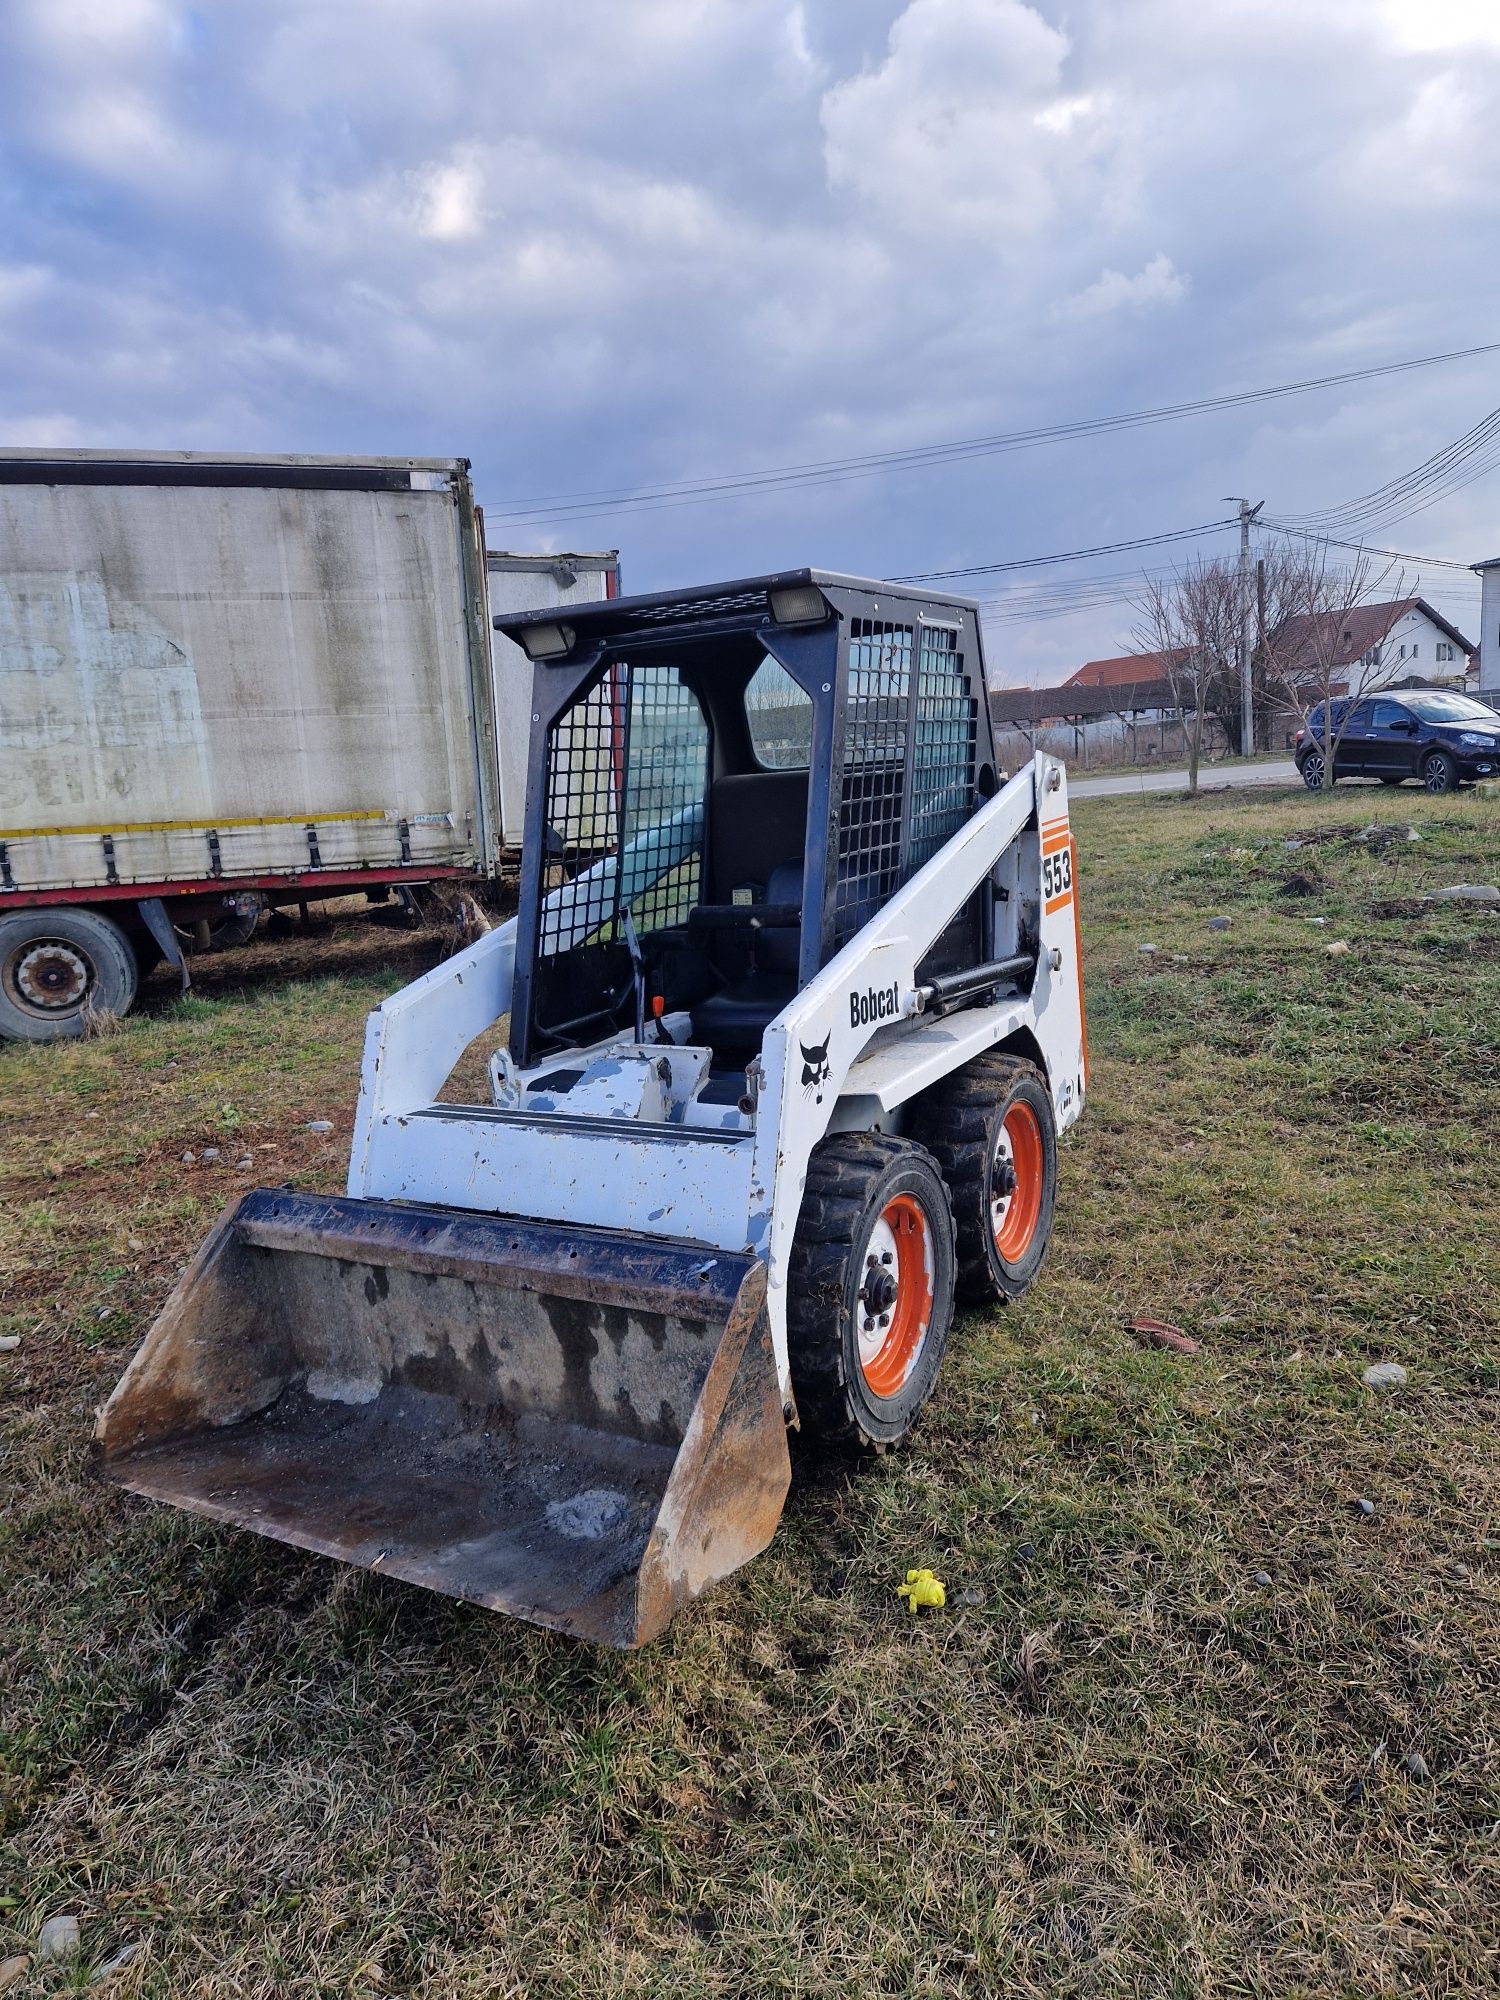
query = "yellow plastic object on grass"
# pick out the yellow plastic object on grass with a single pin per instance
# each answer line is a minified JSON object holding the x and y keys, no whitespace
{"x":922,"y":1591}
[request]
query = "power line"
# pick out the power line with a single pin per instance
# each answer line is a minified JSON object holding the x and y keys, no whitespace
{"x":829,"y":471}
{"x":1364,"y":548}
{"x":1065,"y":555}
{"x":1445,"y":472}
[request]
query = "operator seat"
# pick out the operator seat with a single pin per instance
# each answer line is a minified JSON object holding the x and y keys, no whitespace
{"x":733,"y":1021}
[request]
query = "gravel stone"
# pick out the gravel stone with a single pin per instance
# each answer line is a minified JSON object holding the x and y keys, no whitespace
{"x":320,"y":1124}
{"x":59,"y":1938}
{"x":1367,"y":1508}
{"x":1384,"y":1375}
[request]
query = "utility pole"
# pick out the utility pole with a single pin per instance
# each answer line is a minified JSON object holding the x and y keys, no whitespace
{"x":1247,"y":697}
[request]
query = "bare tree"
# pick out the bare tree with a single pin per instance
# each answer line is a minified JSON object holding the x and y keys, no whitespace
{"x":1308,"y":659}
{"x":1191,"y":623}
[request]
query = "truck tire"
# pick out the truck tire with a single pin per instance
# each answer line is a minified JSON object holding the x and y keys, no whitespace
{"x":870,"y":1289}
{"x":59,"y":966}
{"x":991,"y":1130}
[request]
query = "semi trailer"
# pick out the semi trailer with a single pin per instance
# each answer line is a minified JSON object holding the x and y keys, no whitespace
{"x":231,"y":682}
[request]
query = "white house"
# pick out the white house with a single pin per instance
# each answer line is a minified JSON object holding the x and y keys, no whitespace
{"x":1489,"y":631}
{"x":1377,"y":644}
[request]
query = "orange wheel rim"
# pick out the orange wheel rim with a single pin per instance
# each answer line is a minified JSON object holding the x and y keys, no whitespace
{"x":1016,"y":1183}
{"x":895,"y":1296}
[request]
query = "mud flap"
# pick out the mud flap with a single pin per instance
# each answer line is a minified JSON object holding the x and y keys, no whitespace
{"x":579,"y":1427}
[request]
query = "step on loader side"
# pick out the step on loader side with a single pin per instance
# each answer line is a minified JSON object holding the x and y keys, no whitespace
{"x":578,"y":1427}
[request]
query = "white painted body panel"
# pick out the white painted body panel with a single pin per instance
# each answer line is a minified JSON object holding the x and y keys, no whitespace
{"x":726,"y":1189}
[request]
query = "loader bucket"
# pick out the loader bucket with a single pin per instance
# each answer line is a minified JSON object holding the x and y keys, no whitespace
{"x":579,"y":1427}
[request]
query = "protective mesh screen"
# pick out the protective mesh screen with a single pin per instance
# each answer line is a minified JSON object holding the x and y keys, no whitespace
{"x":874,"y":772}
{"x":627,"y":770}
{"x":946,"y":734}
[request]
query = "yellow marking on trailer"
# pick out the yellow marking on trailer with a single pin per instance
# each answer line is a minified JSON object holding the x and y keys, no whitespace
{"x":182,"y":825}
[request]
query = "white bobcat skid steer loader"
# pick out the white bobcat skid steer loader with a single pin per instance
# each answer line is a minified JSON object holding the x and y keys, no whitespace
{"x":795,"y":1018}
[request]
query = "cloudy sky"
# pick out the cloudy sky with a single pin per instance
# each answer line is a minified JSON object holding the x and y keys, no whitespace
{"x":606,"y":248}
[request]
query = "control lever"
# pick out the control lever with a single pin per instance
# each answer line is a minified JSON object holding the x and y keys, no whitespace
{"x":633,"y":946}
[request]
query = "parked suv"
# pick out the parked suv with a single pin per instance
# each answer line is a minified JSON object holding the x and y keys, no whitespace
{"x":1444,"y":739}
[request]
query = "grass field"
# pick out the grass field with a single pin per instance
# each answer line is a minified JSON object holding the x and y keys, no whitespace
{"x":1192,"y":1723}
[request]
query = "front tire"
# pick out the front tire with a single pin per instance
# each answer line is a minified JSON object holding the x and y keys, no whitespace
{"x":870,"y":1289}
{"x":57,"y":968}
{"x":1439,"y":772}
{"x":991,"y":1130}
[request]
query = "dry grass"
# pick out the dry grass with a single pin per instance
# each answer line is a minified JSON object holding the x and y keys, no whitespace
{"x":1116,"y":1764}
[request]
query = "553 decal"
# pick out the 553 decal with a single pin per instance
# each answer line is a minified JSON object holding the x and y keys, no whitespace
{"x":1057,"y":873}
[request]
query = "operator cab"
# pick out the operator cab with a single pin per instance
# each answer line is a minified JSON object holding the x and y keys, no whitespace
{"x":724,"y":786}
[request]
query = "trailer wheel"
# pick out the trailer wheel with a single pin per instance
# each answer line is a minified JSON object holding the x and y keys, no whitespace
{"x":59,"y":966}
{"x":991,"y":1130}
{"x":870,"y":1288}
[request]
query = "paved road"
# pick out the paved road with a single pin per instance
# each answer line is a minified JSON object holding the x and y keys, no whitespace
{"x":1211,"y":778}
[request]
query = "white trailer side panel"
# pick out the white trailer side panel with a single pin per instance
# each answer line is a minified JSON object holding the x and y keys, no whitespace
{"x":247,"y":661}
{"x":532,"y":583}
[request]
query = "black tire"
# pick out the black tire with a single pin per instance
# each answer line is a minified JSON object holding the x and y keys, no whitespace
{"x":971,"y":1123}
{"x":225,"y":933}
{"x":58,"y":967}
{"x":1391,"y":778}
{"x":1314,"y":771}
{"x":1439,"y":772}
{"x":844,"y":1281}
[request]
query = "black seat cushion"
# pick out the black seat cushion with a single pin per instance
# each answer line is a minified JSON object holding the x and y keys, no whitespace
{"x":734,"y":1022}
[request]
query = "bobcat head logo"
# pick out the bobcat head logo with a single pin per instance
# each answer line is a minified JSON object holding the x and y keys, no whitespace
{"x":815,"y":1066}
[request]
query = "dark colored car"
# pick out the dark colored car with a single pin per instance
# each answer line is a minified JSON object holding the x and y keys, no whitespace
{"x":1444,"y":739}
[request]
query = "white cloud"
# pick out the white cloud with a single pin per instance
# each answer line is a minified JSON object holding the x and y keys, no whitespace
{"x":451,"y":205}
{"x":1158,"y":284}
{"x":964,"y":125}
{"x":1443,"y":24}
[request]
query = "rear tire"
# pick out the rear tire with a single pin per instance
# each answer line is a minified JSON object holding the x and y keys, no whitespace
{"x":1391,"y":778}
{"x":1439,"y":772}
{"x":991,"y":1130}
{"x":870,"y":1289}
{"x":59,"y":966}
{"x":1314,"y":771}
